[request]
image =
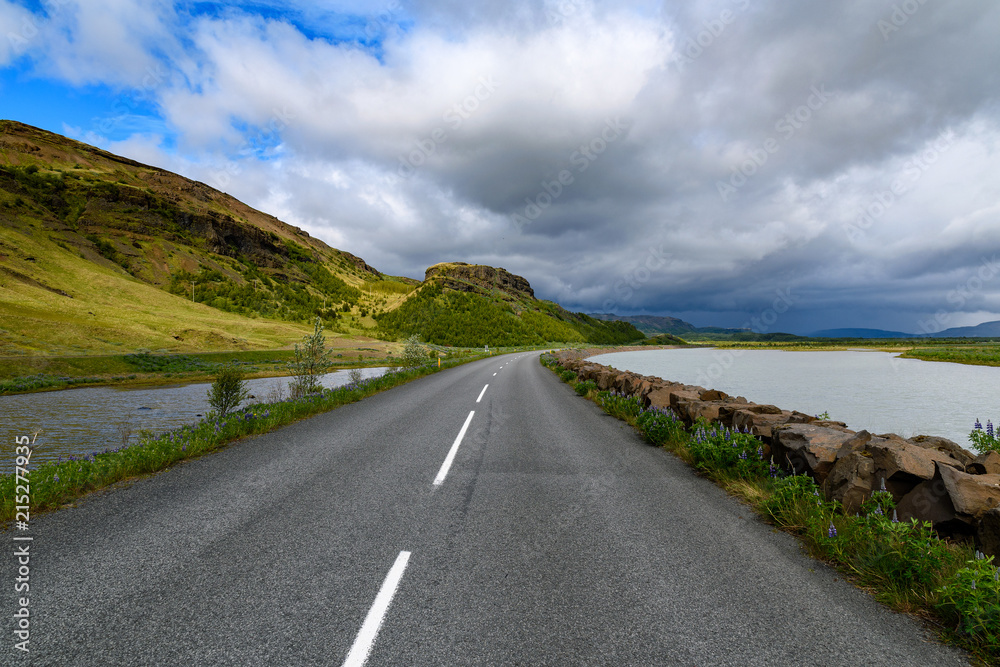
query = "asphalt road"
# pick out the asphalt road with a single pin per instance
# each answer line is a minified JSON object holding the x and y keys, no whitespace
{"x":555,"y":538}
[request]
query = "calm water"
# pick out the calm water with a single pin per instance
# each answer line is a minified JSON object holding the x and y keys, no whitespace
{"x":80,"y":421}
{"x":868,"y":390}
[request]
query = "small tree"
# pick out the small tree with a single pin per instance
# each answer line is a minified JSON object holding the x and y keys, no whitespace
{"x":311,"y":361}
{"x":228,"y":390}
{"x":413,"y":352}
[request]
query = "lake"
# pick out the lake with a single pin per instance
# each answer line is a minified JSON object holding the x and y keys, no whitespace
{"x":871,"y":390}
{"x":84,"y":420}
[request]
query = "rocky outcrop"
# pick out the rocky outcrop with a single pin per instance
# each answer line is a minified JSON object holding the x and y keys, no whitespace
{"x":930,"y":478}
{"x":478,"y":278}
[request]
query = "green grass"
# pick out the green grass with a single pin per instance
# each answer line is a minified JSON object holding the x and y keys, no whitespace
{"x":975,"y":354}
{"x":905,"y":565}
{"x":52,"y":485}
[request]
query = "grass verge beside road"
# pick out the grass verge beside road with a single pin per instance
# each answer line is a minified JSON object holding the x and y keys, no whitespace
{"x":52,"y":485}
{"x":903,"y":564}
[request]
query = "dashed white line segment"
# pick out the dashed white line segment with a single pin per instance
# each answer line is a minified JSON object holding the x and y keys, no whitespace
{"x":443,"y":472}
{"x":481,"y":393}
{"x":373,"y":622}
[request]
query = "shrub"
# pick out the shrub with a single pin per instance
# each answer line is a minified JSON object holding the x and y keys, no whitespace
{"x":585,"y":387}
{"x":228,"y":390}
{"x":413,"y":352}
{"x":984,"y":440}
{"x":661,"y":426}
{"x":618,"y":405}
{"x":311,"y":361}
{"x":567,"y":376}
{"x":718,"y":448}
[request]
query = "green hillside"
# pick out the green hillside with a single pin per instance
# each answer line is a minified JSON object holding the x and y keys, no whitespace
{"x":471,"y":306}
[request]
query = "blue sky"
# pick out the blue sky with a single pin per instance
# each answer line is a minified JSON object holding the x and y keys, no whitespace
{"x":705,"y":159}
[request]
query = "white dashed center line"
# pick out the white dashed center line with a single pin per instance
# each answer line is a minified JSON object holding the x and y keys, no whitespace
{"x":481,"y":394}
{"x":373,"y":622}
{"x":443,"y":472}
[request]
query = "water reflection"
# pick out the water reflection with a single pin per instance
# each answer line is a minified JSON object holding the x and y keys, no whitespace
{"x":80,"y":421}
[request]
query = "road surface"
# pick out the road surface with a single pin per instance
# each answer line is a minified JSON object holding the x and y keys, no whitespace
{"x":547,"y":534}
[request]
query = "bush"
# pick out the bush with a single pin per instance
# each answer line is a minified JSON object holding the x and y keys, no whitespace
{"x":661,"y":426}
{"x":413,"y":353}
{"x":719,"y":449}
{"x":311,"y":361}
{"x":585,"y":387}
{"x":984,"y":440}
{"x":228,"y":390}
{"x":567,"y":376}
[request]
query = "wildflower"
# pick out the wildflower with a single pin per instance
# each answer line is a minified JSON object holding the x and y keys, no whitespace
{"x":977,"y":426}
{"x":973,"y":584}
{"x":882,"y":487}
{"x":832,"y":531}
{"x":894,"y":519}
{"x":878,"y":510}
{"x":55,"y":478}
{"x":989,"y":428}
{"x":184,"y":448}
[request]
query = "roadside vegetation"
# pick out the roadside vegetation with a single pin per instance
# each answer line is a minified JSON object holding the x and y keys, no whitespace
{"x":903,"y":564}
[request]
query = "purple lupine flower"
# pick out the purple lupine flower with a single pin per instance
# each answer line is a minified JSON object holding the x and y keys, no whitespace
{"x":832,"y":531}
{"x":55,"y":478}
{"x":882,"y":486}
{"x":878,"y":510}
{"x":743,"y":456}
{"x":977,"y":426}
{"x":989,"y":428}
{"x":894,"y":518}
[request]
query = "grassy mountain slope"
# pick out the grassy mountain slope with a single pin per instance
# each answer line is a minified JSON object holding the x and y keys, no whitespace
{"x":99,"y":253}
{"x":473,"y":305}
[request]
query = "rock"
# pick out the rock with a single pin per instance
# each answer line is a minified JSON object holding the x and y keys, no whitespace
{"x":713,"y":395}
{"x":954,"y":501}
{"x":904,"y":465}
{"x":971,"y":495}
{"x":984,"y":464}
{"x":605,"y":379}
{"x":851,"y":480}
{"x":988,"y":532}
{"x":808,"y":448}
{"x":944,"y":445}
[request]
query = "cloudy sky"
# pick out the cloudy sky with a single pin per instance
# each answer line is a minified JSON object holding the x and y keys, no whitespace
{"x":784,"y":166}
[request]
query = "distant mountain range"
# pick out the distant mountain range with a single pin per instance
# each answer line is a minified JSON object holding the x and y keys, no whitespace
{"x":653,"y":325}
{"x":984,"y":330}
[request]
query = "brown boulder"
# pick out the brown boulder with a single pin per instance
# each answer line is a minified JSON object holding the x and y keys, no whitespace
{"x":984,"y":464}
{"x":904,"y":465}
{"x":713,"y":395}
{"x":945,"y":446}
{"x":851,"y":480}
{"x":808,"y":448}
{"x":953,"y":500}
{"x":972,"y":495}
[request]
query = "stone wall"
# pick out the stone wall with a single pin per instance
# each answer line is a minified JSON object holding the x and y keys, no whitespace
{"x":930,"y":478}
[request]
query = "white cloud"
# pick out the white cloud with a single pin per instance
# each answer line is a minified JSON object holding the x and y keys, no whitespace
{"x":486,"y":104}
